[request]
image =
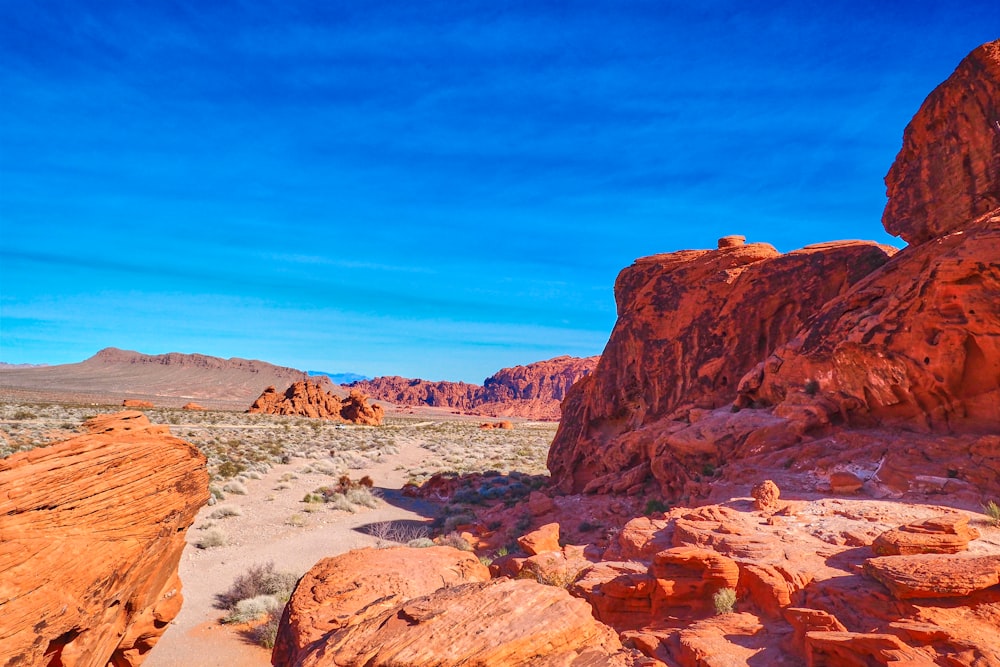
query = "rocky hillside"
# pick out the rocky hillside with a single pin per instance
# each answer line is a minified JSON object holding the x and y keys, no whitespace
{"x":91,"y":535}
{"x":533,"y":391}
{"x":163,"y":379}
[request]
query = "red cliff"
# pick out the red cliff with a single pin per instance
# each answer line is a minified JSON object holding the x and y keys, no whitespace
{"x":533,"y":391}
{"x":309,"y":399}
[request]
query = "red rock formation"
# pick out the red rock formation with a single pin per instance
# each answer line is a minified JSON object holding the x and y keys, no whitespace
{"x":526,"y":623}
{"x":309,"y":399}
{"x":533,"y":391}
{"x":934,"y":575}
{"x":91,"y":533}
{"x":690,"y":325}
{"x":136,"y":403}
{"x":505,"y":425}
{"x":946,"y":534}
{"x":360,"y":585}
{"x":192,"y":406}
{"x":948,"y":170}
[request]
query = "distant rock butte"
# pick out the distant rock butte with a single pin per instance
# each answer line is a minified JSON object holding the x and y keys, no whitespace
{"x":533,"y":391}
{"x":136,"y":403}
{"x":310,"y":399}
{"x":91,"y":534}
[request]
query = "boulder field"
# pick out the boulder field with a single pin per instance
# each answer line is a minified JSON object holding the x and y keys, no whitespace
{"x":778,"y":459}
{"x":91,"y":533}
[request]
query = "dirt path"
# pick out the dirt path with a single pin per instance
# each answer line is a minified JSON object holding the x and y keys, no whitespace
{"x":263,"y":533}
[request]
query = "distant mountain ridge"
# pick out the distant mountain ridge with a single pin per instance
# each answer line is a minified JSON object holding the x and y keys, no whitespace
{"x":116,"y":374}
{"x":533,"y":391}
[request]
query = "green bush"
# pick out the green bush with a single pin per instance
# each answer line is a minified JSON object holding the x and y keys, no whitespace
{"x":993,"y":512}
{"x":724,"y":601}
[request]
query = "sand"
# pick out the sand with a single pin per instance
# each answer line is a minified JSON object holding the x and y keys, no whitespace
{"x":262,"y":534}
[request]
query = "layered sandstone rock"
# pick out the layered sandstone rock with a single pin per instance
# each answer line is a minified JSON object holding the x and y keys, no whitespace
{"x":360,"y":585}
{"x":533,"y":391}
{"x":948,"y":170}
{"x":409,"y":606}
{"x":947,"y":534}
{"x":690,"y":325}
{"x":309,"y":399}
{"x":91,"y":532}
{"x":136,"y":403}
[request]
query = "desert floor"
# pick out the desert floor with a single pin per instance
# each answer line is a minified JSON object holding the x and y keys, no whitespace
{"x":263,"y":534}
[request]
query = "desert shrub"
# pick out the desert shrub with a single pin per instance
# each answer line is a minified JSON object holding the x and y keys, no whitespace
{"x":225,"y":512}
{"x":296,"y":520}
{"x":216,"y":493}
{"x":313,"y":498}
{"x":993,"y":512}
{"x":229,"y":469}
{"x":400,"y":532}
{"x":654,"y":505}
{"x":363,"y":496}
{"x":265,"y":633}
{"x":282,"y":486}
{"x":235,"y":488}
{"x":421,"y":543}
{"x":724,"y":600}
{"x":456,"y":520}
{"x":256,"y":581}
{"x":558,"y":577}
{"x":339,"y":501}
{"x":212,"y":537}
{"x":586,"y":526}
{"x":252,"y":609}
{"x":454,"y":540}
{"x":23,"y":415}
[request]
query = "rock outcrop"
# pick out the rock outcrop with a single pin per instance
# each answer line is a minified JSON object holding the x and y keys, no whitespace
{"x":533,"y":391}
{"x":425,"y":607}
{"x":136,"y":403}
{"x":743,"y":358}
{"x":91,"y":533}
{"x":948,"y":170}
{"x":310,"y":399}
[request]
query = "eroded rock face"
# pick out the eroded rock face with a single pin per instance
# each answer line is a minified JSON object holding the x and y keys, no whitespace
{"x":309,"y":399}
{"x":91,"y":532}
{"x":948,"y":170}
{"x":533,"y":391}
{"x":690,"y":325}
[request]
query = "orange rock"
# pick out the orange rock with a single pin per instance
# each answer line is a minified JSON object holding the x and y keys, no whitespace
{"x":947,"y":534}
{"x":501,"y":425}
{"x":501,"y":622}
{"x":621,"y":593}
{"x":192,"y":406}
{"x":859,"y":649}
{"x":934,"y":575}
{"x":92,"y":532}
{"x":689,"y":576}
{"x":842,"y":481}
{"x":136,"y":403}
{"x":765,"y":496}
{"x":723,"y":640}
{"x":308,"y":399}
{"x":362,"y":584}
{"x":690,"y":325}
{"x":545,"y":539}
{"x":947,"y":173}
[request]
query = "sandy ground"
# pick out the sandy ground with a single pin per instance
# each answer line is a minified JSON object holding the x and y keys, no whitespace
{"x":262,"y":534}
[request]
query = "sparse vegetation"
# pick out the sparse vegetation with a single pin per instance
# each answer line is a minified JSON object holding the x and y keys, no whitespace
{"x":258,"y":596}
{"x":654,"y":506}
{"x":211,"y":538}
{"x":993,"y":512}
{"x":724,"y":601}
{"x":225,"y":512}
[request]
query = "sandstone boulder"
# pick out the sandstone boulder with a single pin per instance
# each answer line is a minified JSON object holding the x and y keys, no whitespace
{"x":362,"y":584}
{"x":543,"y":540}
{"x":934,"y":575}
{"x":91,"y":532}
{"x":501,"y":622}
{"x":136,"y":403}
{"x":765,"y":496}
{"x":192,"y":406}
{"x":947,"y":534}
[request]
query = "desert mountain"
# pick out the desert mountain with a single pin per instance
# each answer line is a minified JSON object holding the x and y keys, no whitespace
{"x":166,"y":379}
{"x":533,"y":391}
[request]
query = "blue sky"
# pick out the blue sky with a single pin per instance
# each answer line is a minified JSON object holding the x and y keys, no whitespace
{"x":432,"y":189}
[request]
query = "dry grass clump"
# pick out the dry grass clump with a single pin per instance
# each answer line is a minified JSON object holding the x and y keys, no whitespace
{"x":225,"y":512}
{"x":258,"y":596}
{"x":724,"y":601}
{"x":211,"y":538}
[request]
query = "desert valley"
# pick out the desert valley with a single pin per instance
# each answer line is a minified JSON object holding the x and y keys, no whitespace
{"x":779,"y":459}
